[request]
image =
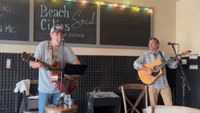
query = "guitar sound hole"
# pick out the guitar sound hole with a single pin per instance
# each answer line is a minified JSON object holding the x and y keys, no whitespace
{"x":155,"y":73}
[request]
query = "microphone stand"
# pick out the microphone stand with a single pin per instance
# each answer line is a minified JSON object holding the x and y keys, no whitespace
{"x":62,"y":67}
{"x":183,"y":77}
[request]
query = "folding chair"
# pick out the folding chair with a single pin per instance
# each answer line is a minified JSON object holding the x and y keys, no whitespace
{"x":125,"y":87}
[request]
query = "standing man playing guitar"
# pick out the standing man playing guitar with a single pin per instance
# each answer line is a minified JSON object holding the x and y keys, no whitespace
{"x":51,"y":53}
{"x":159,"y":85}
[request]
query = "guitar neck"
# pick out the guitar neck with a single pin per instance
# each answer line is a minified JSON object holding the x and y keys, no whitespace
{"x":174,"y":58}
{"x":45,"y":64}
{"x":167,"y":62}
{"x":29,"y":57}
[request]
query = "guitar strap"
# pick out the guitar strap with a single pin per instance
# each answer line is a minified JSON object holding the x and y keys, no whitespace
{"x":50,"y":54}
{"x":162,"y":56}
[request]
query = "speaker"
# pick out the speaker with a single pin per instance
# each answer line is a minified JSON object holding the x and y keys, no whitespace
{"x":170,"y":109}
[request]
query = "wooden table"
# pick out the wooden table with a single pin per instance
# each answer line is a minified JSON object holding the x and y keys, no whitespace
{"x":170,"y":109}
{"x":61,"y":109}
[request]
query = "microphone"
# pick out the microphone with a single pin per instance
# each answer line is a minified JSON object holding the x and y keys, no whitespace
{"x":60,"y":41}
{"x":171,"y":43}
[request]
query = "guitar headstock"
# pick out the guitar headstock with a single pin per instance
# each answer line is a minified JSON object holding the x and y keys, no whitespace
{"x":27,"y":57}
{"x":184,"y":53}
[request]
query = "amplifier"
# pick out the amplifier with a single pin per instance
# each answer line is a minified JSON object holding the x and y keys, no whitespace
{"x":101,"y":101}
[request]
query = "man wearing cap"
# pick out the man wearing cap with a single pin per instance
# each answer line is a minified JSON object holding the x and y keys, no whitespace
{"x":51,"y":53}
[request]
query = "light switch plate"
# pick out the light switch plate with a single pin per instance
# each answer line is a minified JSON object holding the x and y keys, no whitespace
{"x":8,"y":63}
{"x":183,"y":61}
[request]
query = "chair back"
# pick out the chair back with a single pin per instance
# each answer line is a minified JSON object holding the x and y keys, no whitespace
{"x":125,"y":87}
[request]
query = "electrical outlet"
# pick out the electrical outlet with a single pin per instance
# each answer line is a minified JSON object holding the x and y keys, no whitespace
{"x":8,"y":63}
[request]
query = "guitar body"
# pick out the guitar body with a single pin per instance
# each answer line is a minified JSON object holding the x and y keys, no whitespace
{"x":69,"y":83}
{"x":147,"y":78}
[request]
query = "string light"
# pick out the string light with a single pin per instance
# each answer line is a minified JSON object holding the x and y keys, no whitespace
{"x":56,"y":1}
{"x":102,"y":3}
{"x":136,"y":9}
{"x":115,"y":5}
{"x":146,"y":9}
{"x":83,"y":1}
{"x":97,"y":2}
{"x":123,"y":6}
{"x":110,"y":5}
{"x":150,"y":11}
{"x":68,"y":0}
{"x":127,"y":5}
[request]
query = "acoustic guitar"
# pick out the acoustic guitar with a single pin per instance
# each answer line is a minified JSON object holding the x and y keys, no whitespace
{"x":67,"y":84}
{"x":157,"y":69}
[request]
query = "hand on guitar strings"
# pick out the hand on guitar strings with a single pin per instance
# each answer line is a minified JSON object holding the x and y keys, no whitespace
{"x":176,"y":61}
{"x":35,"y":64}
{"x":149,"y":71}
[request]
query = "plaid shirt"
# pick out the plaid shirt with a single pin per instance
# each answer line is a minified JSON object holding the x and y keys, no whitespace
{"x":149,"y":57}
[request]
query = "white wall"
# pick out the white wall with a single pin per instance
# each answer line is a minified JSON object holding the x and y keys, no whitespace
{"x":164,"y":28}
{"x":188,"y":25}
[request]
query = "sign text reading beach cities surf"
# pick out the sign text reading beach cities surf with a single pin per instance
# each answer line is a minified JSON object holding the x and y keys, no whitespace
{"x":70,"y":19}
{"x":79,"y":21}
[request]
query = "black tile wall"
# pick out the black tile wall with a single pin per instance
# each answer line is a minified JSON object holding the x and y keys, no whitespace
{"x":105,"y":72}
{"x":9,"y":77}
